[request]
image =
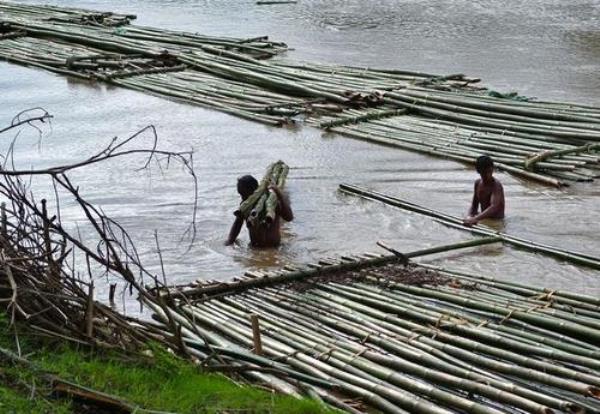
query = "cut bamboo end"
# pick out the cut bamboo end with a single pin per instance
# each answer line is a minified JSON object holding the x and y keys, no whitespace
{"x":594,"y":392}
{"x":574,"y":409}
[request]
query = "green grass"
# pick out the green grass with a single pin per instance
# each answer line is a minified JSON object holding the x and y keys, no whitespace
{"x":13,"y":402}
{"x":167,"y":383}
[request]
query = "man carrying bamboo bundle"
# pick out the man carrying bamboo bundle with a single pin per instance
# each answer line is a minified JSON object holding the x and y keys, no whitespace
{"x":273,"y":205}
{"x":487,"y":194}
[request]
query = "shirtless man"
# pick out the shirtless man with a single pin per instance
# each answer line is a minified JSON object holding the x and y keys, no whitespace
{"x":261,"y":235}
{"x":487,"y":194}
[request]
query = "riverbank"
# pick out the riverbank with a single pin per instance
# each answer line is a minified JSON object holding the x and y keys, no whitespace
{"x":161,"y":382}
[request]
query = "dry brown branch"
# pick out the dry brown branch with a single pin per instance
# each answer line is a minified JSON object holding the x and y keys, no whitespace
{"x":37,"y":285}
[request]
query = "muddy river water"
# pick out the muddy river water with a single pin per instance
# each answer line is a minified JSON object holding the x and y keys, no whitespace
{"x":544,"y":48}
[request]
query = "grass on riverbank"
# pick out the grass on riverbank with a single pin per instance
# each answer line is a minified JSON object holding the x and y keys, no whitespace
{"x":166,"y":383}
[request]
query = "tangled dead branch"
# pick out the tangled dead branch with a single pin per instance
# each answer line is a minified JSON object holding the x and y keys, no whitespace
{"x":39,"y":284}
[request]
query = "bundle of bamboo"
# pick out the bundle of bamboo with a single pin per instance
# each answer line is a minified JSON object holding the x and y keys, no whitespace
{"x":261,"y":206}
{"x":74,"y":25}
{"x":66,"y":14}
{"x":406,"y":339}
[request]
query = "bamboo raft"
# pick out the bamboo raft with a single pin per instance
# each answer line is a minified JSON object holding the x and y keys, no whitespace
{"x":443,"y":116}
{"x":364,"y":332}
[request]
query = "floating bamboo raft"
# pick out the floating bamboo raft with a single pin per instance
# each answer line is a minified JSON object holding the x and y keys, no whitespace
{"x":443,"y":116}
{"x":364,"y":332}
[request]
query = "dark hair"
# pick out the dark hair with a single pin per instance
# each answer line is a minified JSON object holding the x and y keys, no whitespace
{"x":246,"y":185}
{"x":483,"y":163}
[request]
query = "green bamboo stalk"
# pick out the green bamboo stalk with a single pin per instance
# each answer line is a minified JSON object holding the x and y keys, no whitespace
{"x":438,"y":153}
{"x":501,"y":107}
{"x":482,"y":331}
{"x":569,"y":298}
{"x":498,"y":366}
{"x":478,"y":120}
{"x":545,"y":343}
{"x":376,"y":336}
{"x":288,"y":324}
{"x":374,"y":393}
{"x":272,"y":201}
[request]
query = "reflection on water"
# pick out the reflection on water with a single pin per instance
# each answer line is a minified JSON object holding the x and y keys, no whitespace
{"x":536,"y":47}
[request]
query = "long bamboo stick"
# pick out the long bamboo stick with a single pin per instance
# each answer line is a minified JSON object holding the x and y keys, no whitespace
{"x":573,"y":257}
{"x":304,"y":273}
{"x":285,"y":325}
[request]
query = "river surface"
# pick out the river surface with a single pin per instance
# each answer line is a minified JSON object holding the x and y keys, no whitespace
{"x":542,"y":48}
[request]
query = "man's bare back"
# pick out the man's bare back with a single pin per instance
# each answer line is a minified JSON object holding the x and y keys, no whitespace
{"x":268,"y":235}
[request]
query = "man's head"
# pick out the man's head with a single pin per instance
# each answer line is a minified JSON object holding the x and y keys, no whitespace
{"x":485,"y":167}
{"x":246,"y":185}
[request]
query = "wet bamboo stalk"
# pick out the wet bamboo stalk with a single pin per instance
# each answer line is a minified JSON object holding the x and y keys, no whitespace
{"x":444,"y":154}
{"x":348,"y":382}
{"x":572,"y":299}
{"x":394,"y":323}
{"x":375,"y":334}
{"x":485,"y":330}
{"x":287,"y":328}
{"x":304,"y":273}
{"x":341,"y":359}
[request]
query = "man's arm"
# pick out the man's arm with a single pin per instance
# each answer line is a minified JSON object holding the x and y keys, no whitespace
{"x":470,"y":220}
{"x":284,"y":204}
{"x":475,"y":202}
{"x":235,"y":230}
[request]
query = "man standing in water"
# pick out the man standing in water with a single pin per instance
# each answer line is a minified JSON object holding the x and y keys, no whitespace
{"x":487,"y":194}
{"x":261,"y":234}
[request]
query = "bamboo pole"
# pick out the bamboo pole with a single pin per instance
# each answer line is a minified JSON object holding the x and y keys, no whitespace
{"x":89,"y":313}
{"x":356,"y":301}
{"x":487,"y":330}
{"x":569,"y":256}
{"x":307,"y":331}
{"x":373,"y":336}
{"x":572,"y":299}
{"x":308,"y":272}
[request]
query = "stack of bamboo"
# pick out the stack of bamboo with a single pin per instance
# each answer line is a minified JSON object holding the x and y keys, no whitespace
{"x":72,"y":25}
{"x":547,"y":142}
{"x":442,"y":342}
{"x":261,"y":206}
{"x":444,"y":116}
{"x":66,"y":14}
